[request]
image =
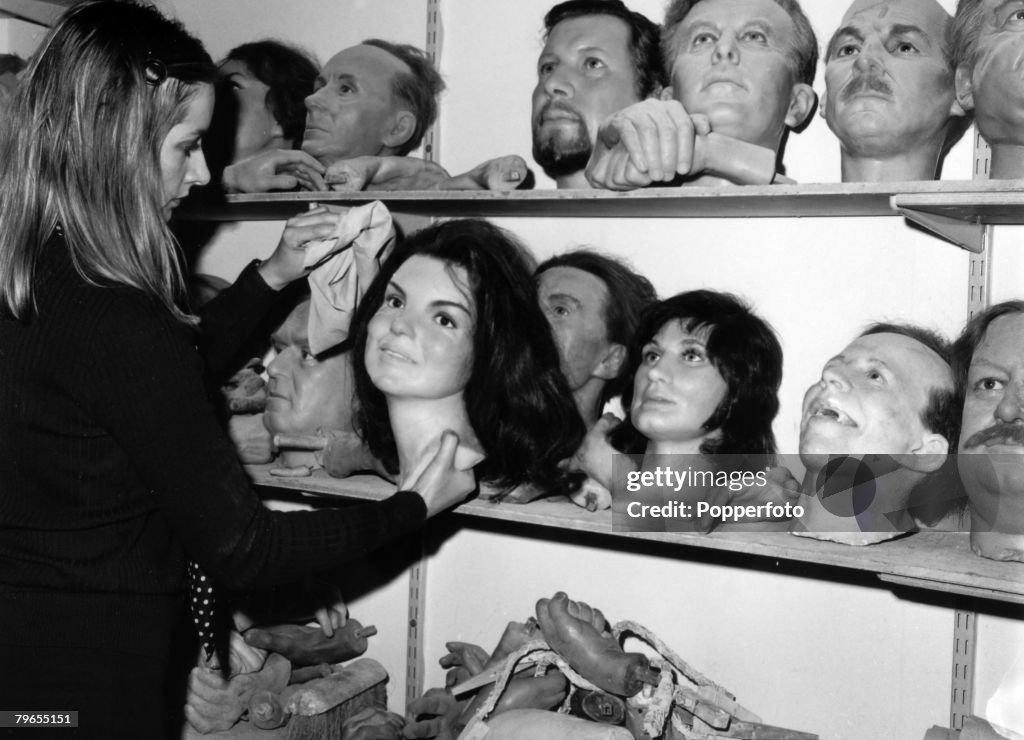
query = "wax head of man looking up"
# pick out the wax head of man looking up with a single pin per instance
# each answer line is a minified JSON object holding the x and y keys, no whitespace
{"x":988,"y":41}
{"x":989,"y":362}
{"x":593,"y":303}
{"x":598,"y":57}
{"x":890,"y":97}
{"x":748,"y":65}
{"x":740,"y":74}
{"x":878,"y":424}
{"x":374,"y":99}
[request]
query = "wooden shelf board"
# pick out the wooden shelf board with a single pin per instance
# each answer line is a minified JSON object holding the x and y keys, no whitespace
{"x":755,"y":201}
{"x":936,"y":561}
{"x":1004,"y":205}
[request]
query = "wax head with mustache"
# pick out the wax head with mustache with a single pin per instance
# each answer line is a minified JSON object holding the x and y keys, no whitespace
{"x":989,"y":358}
{"x":598,"y":58}
{"x":890,"y":96}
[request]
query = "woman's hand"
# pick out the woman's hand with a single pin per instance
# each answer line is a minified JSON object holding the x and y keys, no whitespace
{"x":439,"y":482}
{"x":287,"y":263}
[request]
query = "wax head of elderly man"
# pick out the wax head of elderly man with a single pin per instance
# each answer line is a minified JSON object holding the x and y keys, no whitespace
{"x":988,"y":45}
{"x":875,"y":434}
{"x":599,"y":56}
{"x":374,"y":99}
{"x":890,"y":97}
{"x":989,"y":362}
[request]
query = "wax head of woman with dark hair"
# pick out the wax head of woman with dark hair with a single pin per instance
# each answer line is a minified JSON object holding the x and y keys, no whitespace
{"x":261,"y":100}
{"x":706,"y":374}
{"x":104,"y":139}
{"x":452,"y":326}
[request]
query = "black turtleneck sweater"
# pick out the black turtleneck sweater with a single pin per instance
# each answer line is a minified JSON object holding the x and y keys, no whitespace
{"x":114,"y":469}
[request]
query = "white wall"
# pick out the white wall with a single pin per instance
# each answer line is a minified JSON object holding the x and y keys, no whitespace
{"x":851,"y":662}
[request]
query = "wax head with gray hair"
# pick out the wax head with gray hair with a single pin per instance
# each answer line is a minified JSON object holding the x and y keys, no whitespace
{"x":988,"y":41}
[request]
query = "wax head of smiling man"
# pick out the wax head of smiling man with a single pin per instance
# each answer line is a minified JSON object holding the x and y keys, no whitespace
{"x":748,"y":65}
{"x":890,"y":97}
{"x":875,"y":434}
{"x":988,"y":49}
{"x":374,"y":99}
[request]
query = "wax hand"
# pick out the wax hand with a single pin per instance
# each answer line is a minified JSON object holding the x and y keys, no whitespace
{"x":595,"y":455}
{"x":434,"y":715}
{"x":277,"y":169}
{"x":384,"y":173}
{"x":647,"y":142}
{"x":246,"y":391}
{"x":501,"y":174}
{"x":592,"y":496}
{"x":439,"y":479}
{"x":332,"y":612}
{"x":251,"y":438}
{"x":781,"y":488}
{"x":340,"y":453}
{"x":285,"y":265}
{"x":464,"y":660}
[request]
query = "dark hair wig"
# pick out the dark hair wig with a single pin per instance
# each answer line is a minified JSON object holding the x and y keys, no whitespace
{"x":518,"y":401}
{"x":746,"y":353}
{"x":629,"y":293}
{"x":288,"y":72}
{"x":644,"y":38}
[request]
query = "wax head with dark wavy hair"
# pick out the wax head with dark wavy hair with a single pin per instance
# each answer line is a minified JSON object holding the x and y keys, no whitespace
{"x":746,"y":353}
{"x":517,"y":400}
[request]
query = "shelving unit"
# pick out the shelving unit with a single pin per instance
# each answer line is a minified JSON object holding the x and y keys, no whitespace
{"x":936,"y":561}
{"x":971,"y":202}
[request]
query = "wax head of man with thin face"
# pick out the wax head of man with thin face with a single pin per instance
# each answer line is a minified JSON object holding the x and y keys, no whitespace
{"x":747,"y":65}
{"x":890,"y":97}
{"x":374,"y":99}
{"x":988,"y":49}
{"x":591,"y":328}
{"x":887,"y":400}
{"x":306,"y":392}
{"x":598,"y":58}
{"x":989,"y":360}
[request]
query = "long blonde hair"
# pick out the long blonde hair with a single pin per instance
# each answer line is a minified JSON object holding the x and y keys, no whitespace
{"x":81,"y":149}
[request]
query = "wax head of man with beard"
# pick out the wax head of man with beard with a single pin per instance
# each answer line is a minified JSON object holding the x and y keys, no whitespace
{"x":598,"y":58}
{"x":890,"y":97}
{"x":989,"y":363}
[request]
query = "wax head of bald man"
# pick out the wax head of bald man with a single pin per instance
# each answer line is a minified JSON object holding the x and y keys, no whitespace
{"x":890,"y":97}
{"x":374,"y":99}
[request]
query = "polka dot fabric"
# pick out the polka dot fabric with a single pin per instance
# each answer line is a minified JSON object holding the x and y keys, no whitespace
{"x":202,"y":604}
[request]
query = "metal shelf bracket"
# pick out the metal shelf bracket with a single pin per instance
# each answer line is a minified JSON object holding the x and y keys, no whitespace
{"x":966,"y":234}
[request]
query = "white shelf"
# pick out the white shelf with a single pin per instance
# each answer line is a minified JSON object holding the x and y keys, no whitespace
{"x":755,"y":201}
{"x":935,"y":561}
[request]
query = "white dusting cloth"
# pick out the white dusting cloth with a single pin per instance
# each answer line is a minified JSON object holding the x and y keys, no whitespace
{"x":347,"y":261}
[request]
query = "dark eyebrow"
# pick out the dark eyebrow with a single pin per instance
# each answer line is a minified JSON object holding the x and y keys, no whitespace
{"x":452,"y":304}
{"x":907,"y":29}
{"x":565,"y":297}
{"x":844,"y":31}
